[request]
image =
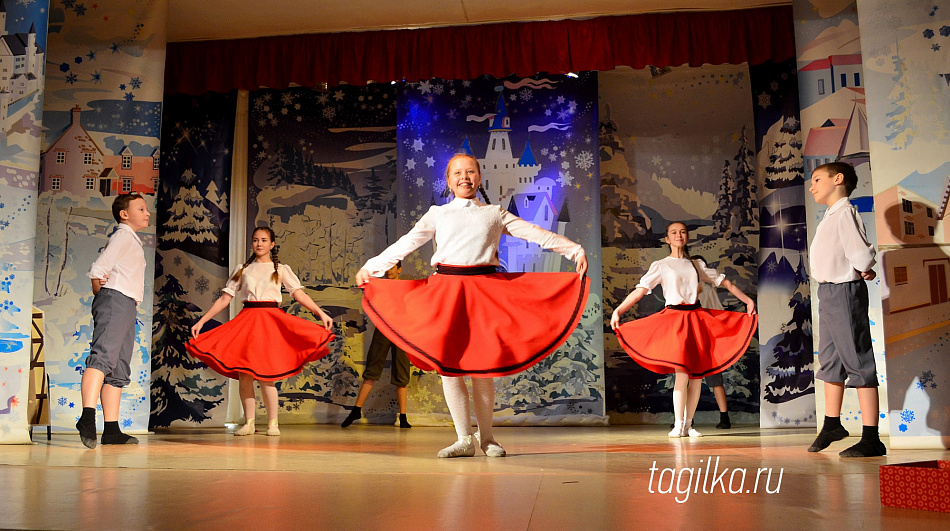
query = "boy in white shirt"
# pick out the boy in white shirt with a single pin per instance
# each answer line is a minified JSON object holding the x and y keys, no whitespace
{"x":118,"y":284}
{"x":845,"y":355}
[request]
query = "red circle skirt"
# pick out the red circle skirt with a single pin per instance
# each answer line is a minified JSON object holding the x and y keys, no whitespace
{"x":483,"y":325}
{"x":700,"y":342}
{"x":264,"y":342}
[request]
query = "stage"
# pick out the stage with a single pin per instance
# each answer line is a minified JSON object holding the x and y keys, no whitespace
{"x":382,"y":477}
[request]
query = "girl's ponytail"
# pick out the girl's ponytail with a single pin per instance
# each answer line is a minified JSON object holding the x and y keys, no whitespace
{"x":273,"y":256}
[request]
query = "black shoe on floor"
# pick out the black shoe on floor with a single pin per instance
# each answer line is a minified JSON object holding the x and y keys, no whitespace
{"x":354,"y":415}
{"x":724,"y":424}
{"x":87,"y":432}
{"x":826,"y":437}
{"x":118,"y":438}
{"x":403,"y":421}
{"x":865,"y":449}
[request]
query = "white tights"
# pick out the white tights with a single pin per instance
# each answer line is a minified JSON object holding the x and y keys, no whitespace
{"x":685,"y":396}
{"x":483,"y":396}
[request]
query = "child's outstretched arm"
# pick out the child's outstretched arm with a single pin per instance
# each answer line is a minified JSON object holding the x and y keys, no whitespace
{"x":218,"y":305}
{"x":305,"y":301}
{"x":749,"y":303}
{"x":627,"y":303}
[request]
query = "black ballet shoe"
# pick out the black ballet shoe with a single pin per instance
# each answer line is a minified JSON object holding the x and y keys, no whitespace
{"x":865,"y":449}
{"x":354,"y":415}
{"x":403,"y":422}
{"x":826,"y":437}
{"x":118,"y":438}
{"x":724,"y":423}
{"x":87,"y":432}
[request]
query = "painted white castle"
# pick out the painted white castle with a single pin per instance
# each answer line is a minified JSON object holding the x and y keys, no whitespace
{"x":502,"y":173}
{"x":513,"y":183}
{"x":21,"y":66}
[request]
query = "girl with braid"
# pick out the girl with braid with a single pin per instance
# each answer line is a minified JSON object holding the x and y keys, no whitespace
{"x":262,"y":343}
{"x":468,"y":319}
{"x":684,"y":338}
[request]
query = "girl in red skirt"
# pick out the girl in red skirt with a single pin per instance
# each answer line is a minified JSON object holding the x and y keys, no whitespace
{"x":684,"y":338}
{"x":467,"y":319}
{"x":262,"y":343}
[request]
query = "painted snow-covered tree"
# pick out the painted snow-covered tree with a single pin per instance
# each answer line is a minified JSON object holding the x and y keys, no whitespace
{"x":737,"y":213}
{"x":899,"y":126}
{"x":792,"y":374}
{"x":554,"y":383}
{"x":183,"y":388}
{"x":736,"y":220}
{"x":220,"y":201}
{"x":786,"y":166}
{"x":722,"y":216}
{"x":189,"y":218}
{"x":746,"y":192}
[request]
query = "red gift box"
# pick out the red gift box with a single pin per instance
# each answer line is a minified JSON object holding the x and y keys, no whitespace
{"x":924,"y":485}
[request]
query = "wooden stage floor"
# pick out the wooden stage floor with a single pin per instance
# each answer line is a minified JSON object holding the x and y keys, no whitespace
{"x":380,"y":477}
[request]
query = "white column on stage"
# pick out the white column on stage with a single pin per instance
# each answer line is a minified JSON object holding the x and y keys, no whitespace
{"x":237,"y":251}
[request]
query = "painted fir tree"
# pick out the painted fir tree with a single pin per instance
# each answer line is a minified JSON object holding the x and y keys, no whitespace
{"x":786,"y":164}
{"x":739,"y":218}
{"x":188,"y":217}
{"x":792,"y":374}
{"x":183,"y":388}
{"x":219,"y":201}
{"x":746,"y":191}
{"x":722,"y":216}
{"x":899,"y":126}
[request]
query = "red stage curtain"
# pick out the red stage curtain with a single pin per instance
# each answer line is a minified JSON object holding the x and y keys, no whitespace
{"x":466,"y":52}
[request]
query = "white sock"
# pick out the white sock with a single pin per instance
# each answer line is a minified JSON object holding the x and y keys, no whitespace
{"x":483,"y":396}
{"x":456,"y":397}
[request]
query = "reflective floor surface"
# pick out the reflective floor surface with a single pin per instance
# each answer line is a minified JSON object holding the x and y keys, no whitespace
{"x":380,"y":477}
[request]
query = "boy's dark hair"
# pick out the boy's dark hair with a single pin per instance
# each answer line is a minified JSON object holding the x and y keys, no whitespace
{"x":121,"y":203}
{"x":850,"y":176}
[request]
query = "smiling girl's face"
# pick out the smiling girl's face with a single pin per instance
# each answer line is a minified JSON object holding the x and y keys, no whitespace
{"x":463,"y":177}
{"x":677,"y":236}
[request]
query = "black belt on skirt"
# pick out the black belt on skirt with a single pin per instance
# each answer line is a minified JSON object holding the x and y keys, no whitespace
{"x":260,"y":304}
{"x":694,"y":306}
{"x":443,"y":269}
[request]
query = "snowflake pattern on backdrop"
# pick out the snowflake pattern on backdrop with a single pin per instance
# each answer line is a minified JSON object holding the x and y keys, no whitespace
{"x":907,"y":416}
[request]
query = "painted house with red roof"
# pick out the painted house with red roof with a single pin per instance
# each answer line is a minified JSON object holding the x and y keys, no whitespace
{"x":826,"y":76}
{"x":75,"y":163}
{"x":839,"y":139}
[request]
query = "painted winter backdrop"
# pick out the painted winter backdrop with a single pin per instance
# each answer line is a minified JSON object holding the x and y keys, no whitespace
{"x":536,"y":143}
{"x":785,"y":330}
{"x":191,"y":260}
{"x":320,"y":170}
{"x":907,"y":63}
{"x":105,"y":92}
{"x":668,"y":156}
{"x":21,"y":98}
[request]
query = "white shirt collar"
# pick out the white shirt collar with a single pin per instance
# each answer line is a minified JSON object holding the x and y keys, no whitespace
{"x":125,"y":226}
{"x":839,"y":204}
{"x":461,"y":202}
